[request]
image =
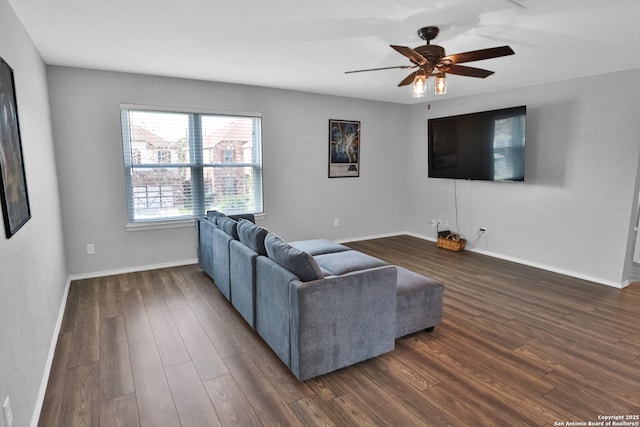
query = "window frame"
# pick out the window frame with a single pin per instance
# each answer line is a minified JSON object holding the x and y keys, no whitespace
{"x":199,"y":160}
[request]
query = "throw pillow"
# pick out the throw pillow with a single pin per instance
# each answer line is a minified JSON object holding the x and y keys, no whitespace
{"x":229,"y":226}
{"x":214,"y":215}
{"x":299,"y":263}
{"x":252,"y":236}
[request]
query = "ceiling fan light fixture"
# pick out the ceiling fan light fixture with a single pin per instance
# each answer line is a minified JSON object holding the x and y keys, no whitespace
{"x":419,"y":85}
{"x":441,"y":84}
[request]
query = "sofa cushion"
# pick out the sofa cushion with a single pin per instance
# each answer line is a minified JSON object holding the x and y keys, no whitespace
{"x":318,"y":246}
{"x":229,"y":226}
{"x":343,"y":262}
{"x":213,"y":216}
{"x":248,"y":217}
{"x":252,"y":236}
{"x":298,"y":262}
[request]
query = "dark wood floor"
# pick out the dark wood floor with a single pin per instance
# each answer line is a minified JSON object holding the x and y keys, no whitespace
{"x":518,"y":347}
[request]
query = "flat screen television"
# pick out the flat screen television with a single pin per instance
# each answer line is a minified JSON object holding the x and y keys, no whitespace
{"x":487,"y":145}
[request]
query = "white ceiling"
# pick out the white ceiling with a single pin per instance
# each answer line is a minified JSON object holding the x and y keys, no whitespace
{"x":307,"y":45}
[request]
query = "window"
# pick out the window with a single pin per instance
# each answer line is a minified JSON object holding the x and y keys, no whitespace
{"x":179,"y":164}
{"x":164,"y":156}
{"x":228,"y":155}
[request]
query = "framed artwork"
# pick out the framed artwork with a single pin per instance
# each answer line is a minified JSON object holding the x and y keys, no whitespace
{"x":13,"y":194}
{"x":344,"y":148}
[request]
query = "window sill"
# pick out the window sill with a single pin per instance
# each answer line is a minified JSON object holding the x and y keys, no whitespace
{"x":175,"y":223}
{"x":159,"y":225}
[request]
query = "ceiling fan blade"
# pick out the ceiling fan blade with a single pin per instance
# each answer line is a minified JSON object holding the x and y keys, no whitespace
{"x":409,"y":79}
{"x":382,"y":68}
{"x":414,"y":56}
{"x":463,"y":70}
{"x":477,"y":55}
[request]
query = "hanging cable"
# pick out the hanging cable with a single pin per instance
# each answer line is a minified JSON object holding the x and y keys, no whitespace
{"x":455,"y":202}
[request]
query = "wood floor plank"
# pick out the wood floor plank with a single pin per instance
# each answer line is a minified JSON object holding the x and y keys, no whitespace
{"x":204,"y":355}
{"x":125,"y":281}
{"x":380,"y":403}
{"x":71,"y":308}
{"x":326,"y":389}
{"x":86,"y":345}
{"x":588,"y":373}
{"x":230,"y":404}
{"x":312,"y":412}
{"x":136,"y":319}
{"x":261,"y":394}
{"x":81,"y":402}
{"x":404,"y":395}
{"x":190,"y":397}
{"x":215,"y":327}
{"x":517,"y":403}
{"x":346,"y":411}
{"x":155,"y":402}
{"x":115,"y":366}
{"x":170,"y":345}
{"x":50,"y":413}
{"x":287,"y":385}
{"x":470,"y":409}
{"x":110,"y":298}
{"x":173,"y":296}
{"x":121,"y":411}
{"x":182,"y":277}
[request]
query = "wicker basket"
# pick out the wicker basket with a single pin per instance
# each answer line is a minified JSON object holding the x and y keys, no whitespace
{"x":452,"y":242}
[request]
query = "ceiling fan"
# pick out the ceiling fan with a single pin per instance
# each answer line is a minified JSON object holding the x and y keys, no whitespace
{"x":431,"y":60}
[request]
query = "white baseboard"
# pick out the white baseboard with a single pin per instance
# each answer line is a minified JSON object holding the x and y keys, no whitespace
{"x":536,"y":265}
{"x":133,"y":269}
{"x":52,"y":350}
{"x":376,"y":236}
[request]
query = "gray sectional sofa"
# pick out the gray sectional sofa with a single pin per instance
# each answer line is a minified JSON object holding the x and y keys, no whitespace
{"x":319,"y":305}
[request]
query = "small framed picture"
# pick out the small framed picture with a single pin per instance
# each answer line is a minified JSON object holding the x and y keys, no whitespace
{"x":344,"y":148}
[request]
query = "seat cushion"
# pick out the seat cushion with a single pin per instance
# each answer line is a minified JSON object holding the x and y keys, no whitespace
{"x":338,"y":263}
{"x":318,"y":246}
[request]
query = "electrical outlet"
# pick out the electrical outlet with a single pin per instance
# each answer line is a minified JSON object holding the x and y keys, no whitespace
{"x":482,"y":230}
{"x":336,"y":222}
{"x":91,"y":249}
{"x":6,"y":410}
{"x":446,"y":223}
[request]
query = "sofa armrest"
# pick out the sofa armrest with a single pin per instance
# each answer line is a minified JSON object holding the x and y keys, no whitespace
{"x":341,"y":320}
{"x":205,"y":229}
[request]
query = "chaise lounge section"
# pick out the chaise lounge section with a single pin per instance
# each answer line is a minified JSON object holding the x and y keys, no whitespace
{"x":319,"y":305}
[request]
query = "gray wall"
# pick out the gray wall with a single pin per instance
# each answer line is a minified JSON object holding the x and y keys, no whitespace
{"x":32,"y":263}
{"x":574,"y":211}
{"x":300,"y":201}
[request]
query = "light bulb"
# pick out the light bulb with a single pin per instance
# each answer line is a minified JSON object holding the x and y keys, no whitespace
{"x":419,"y":85}
{"x":441,"y":84}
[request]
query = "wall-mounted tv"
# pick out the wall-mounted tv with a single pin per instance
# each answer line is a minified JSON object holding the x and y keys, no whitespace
{"x":487,"y":145}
